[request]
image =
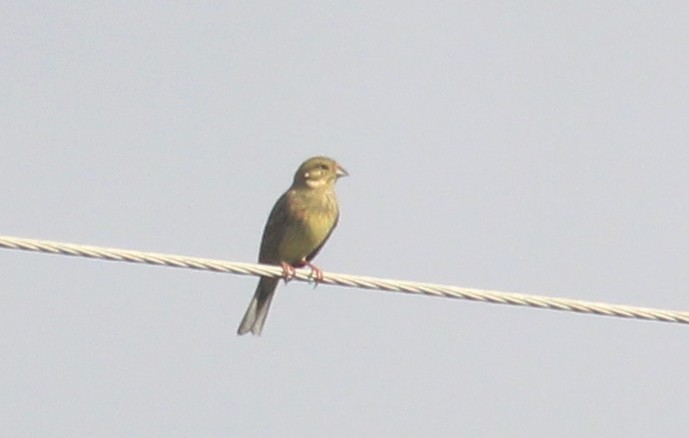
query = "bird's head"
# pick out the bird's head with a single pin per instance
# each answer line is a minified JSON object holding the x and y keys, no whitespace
{"x":318,"y":172}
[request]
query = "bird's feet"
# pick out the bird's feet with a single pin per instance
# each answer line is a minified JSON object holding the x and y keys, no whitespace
{"x":316,"y":273}
{"x":287,"y":272}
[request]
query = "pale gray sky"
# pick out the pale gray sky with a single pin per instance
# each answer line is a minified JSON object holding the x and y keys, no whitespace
{"x":541,"y":147}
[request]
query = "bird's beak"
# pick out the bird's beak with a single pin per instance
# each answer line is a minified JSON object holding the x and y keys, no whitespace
{"x":340,"y":172}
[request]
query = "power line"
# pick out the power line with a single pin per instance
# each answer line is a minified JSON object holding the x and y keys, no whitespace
{"x":488,"y":296}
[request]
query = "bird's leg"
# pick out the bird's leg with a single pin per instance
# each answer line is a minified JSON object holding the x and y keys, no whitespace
{"x":316,"y":272}
{"x":287,"y":272}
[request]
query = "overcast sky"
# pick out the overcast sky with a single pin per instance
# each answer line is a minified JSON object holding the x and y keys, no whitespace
{"x":537,"y":147}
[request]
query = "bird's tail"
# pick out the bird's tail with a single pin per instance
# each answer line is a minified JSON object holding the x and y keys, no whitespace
{"x":255,"y":315}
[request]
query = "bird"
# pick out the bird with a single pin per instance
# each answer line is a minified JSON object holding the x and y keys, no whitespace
{"x":298,"y":226}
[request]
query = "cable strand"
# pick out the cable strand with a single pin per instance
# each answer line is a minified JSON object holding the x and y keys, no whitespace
{"x":354,"y":281}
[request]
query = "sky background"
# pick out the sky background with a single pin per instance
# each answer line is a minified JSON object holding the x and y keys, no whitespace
{"x":539,"y":147}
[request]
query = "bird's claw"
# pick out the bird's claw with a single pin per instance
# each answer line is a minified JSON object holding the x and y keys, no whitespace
{"x":316,"y":274}
{"x":288,"y":272}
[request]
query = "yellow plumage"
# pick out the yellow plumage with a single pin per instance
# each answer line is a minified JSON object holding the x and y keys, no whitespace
{"x":298,"y":226}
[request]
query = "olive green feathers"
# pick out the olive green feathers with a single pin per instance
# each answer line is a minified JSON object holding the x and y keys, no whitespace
{"x":297,"y":228}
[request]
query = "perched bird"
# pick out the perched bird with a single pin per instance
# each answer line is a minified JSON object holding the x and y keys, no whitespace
{"x":298,"y":226}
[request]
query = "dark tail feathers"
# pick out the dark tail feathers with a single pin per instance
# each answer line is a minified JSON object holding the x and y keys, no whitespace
{"x":255,"y":315}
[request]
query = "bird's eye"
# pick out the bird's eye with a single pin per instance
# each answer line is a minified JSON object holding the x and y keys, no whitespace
{"x":324,"y":166}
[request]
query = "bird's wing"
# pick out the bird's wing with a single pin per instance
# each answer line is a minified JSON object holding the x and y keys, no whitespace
{"x":275,"y":230}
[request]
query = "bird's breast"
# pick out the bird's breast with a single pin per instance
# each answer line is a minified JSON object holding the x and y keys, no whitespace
{"x":313,"y":220}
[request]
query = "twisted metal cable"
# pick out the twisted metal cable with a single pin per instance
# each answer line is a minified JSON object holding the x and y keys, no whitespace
{"x":488,"y":296}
